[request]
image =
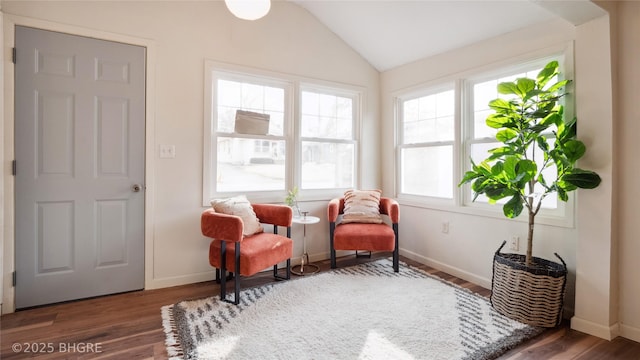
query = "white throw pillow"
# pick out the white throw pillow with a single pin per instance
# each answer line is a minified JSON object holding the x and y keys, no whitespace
{"x":362,"y":206}
{"x":239,"y":206}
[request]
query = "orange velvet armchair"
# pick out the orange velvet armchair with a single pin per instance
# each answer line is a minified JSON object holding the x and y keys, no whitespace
{"x":247,"y":255}
{"x":364,"y":236}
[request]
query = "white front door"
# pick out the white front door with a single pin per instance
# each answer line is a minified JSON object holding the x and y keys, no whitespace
{"x":79,"y":135}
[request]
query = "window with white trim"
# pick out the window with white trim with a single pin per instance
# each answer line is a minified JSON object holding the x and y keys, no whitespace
{"x":481,"y":137}
{"x":427,"y":138}
{"x":429,"y":147}
{"x":327,"y":136}
{"x":256,"y":144}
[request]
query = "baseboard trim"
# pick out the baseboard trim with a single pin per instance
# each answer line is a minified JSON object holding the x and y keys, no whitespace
{"x":465,"y":275}
{"x":179,"y":280}
{"x":630,"y":332}
{"x":598,"y":330}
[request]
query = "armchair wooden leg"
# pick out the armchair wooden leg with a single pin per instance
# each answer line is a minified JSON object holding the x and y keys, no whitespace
{"x":332,"y":250}
{"x":236,"y":299}
{"x":223,"y":274}
{"x":223,"y":270}
{"x":288,"y":271}
{"x":396,"y":251}
{"x":229,"y":276}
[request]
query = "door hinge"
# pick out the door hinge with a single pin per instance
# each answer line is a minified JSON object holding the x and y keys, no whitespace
{"x":14,"y":55}
{"x":14,"y":167}
{"x":13,"y":280}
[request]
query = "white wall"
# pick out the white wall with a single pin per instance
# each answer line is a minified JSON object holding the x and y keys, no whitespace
{"x":180,"y":36}
{"x":596,"y":286}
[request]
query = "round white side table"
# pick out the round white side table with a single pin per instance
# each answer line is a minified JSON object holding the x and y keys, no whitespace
{"x":310,"y":268}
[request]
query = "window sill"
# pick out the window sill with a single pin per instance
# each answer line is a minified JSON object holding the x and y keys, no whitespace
{"x":488,"y":211}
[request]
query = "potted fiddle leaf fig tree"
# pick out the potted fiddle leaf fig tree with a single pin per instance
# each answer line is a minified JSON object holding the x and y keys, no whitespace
{"x":536,"y":140}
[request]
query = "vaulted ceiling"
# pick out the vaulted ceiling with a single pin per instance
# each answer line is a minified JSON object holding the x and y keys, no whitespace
{"x":390,"y":33}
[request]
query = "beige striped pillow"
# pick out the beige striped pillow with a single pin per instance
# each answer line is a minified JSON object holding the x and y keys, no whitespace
{"x":362,"y":206}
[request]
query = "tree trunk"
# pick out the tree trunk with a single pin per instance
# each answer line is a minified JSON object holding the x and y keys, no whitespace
{"x":532,"y":217}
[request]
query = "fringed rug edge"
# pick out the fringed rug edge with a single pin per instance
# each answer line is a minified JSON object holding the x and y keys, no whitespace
{"x":173,"y":346}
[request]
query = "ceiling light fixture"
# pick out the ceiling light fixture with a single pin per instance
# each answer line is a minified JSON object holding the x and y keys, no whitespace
{"x":248,"y":9}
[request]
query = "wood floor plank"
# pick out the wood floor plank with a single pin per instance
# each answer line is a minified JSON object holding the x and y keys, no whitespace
{"x":129,"y":326}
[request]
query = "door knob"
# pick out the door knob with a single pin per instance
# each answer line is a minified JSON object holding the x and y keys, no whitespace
{"x":136,"y":187}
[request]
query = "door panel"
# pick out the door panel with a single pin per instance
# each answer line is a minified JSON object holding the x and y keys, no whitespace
{"x":79,"y":134}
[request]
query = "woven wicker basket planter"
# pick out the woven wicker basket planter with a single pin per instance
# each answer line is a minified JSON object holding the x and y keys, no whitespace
{"x":532,"y":295}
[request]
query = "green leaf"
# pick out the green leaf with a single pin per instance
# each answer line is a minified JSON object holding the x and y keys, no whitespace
{"x":543,"y":144}
{"x":510,"y":164}
{"x":584,"y":179}
{"x":526,"y":170}
{"x":501,"y":152}
{"x":468,"y":176}
{"x":533,"y":93}
{"x":557,"y":86}
{"x":525,"y":85}
{"x":497,"y":121}
{"x":546,"y":74}
{"x":495,"y":191}
{"x":562,"y":195}
{"x":554,"y":118}
{"x":513,"y":207}
{"x":506,"y":134}
{"x":497,"y":168}
{"x":508,"y":88}
{"x":567,"y":131}
{"x":501,"y":106}
{"x":574,"y":149}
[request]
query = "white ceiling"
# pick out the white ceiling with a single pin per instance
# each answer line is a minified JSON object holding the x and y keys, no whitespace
{"x":390,"y":33}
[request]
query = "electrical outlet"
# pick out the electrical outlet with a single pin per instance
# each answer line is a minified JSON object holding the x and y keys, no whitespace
{"x":167,"y":151}
{"x":515,"y":243}
{"x":445,"y":227}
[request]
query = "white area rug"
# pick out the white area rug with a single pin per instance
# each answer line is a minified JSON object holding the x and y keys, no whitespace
{"x":361,"y":312}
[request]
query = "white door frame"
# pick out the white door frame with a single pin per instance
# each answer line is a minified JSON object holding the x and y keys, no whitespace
{"x":7,"y":141}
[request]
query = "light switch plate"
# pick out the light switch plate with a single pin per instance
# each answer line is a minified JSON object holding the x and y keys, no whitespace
{"x":167,"y":151}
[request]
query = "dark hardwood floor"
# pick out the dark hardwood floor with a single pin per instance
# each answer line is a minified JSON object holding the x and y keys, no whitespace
{"x":129,"y":326}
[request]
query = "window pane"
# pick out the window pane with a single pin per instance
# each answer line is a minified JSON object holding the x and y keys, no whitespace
{"x":327,"y":165}
{"x":487,"y":91}
{"x":483,"y":93}
{"x":428,"y":171}
{"x":250,"y":165}
{"x":326,"y":116}
{"x":429,"y":118}
{"x":234,"y":95}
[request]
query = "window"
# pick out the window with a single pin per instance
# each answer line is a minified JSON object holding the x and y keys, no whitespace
{"x":313,"y":148}
{"x":249,"y":160}
{"x":441,"y":127}
{"x":426,"y":144}
{"x":482,"y":137}
{"x":328,"y":146}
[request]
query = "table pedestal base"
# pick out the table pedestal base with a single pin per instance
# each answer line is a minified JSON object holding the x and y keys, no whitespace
{"x":305,"y":268}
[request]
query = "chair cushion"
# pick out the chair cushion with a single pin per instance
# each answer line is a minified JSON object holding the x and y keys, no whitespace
{"x":362,"y":206}
{"x":257,"y":252}
{"x":374,"y":237}
{"x":239,"y":206}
